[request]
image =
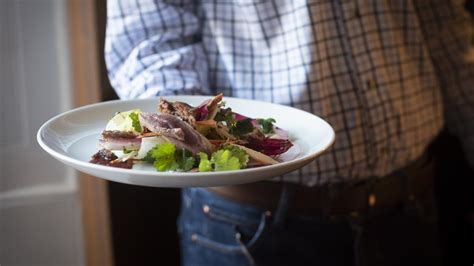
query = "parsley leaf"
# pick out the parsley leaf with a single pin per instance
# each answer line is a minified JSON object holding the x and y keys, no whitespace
{"x":125,"y":151}
{"x":165,"y":157}
{"x":242,"y":127}
{"x":184,"y":159}
{"x":239,"y":153}
{"x":227,"y":158}
{"x":224,"y":160}
{"x":267,"y":125}
{"x":226,"y":116}
{"x":204,"y":164}
{"x":135,"y":121}
{"x":149,"y":158}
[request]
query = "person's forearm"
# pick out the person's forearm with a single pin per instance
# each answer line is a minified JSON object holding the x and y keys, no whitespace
{"x":152,"y":49}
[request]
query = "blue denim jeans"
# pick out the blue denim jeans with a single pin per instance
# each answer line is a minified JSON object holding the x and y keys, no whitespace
{"x":216,"y":231}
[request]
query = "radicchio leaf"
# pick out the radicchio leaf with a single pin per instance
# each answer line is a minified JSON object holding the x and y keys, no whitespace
{"x":240,"y":117}
{"x":201,"y":112}
{"x":269,"y":146}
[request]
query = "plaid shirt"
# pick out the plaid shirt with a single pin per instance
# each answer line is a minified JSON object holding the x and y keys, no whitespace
{"x":387,"y":75}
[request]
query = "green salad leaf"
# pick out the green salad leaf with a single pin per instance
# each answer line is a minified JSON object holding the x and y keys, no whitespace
{"x":224,"y":160}
{"x":238,"y":153}
{"x":227,"y":158}
{"x":267,"y":125}
{"x":165,"y":157}
{"x":242,"y":127}
{"x":225,"y":115}
{"x":184,"y":159}
{"x":135,"y":121}
{"x":204,"y":164}
{"x":125,"y":151}
{"x":149,"y":158}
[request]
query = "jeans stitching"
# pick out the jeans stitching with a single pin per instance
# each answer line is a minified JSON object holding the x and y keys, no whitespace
{"x":220,"y":215}
{"x":225,"y":248}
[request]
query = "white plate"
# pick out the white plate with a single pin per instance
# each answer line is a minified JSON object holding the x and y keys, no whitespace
{"x":72,"y":138}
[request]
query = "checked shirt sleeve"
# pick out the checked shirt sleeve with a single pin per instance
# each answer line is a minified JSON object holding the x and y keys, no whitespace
{"x":153,"y":48}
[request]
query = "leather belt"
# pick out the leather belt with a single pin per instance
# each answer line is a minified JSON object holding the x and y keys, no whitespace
{"x":338,"y":199}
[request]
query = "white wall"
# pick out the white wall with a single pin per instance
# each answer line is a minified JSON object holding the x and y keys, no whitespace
{"x":40,"y":218}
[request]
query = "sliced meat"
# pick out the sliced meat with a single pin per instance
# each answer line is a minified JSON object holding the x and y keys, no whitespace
{"x":120,"y":144}
{"x":177,"y":131}
{"x":163,"y":124}
{"x":103,"y":157}
{"x":179,"y":109}
{"x":119,"y":140}
{"x":118,"y":134}
{"x":106,"y":157}
{"x":128,"y":164}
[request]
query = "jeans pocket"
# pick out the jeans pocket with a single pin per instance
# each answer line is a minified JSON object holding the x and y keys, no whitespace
{"x":229,"y":230}
{"x":232,"y":236}
{"x":215,"y":245}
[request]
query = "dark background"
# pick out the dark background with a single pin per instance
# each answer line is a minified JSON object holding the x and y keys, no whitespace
{"x":143,"y":219}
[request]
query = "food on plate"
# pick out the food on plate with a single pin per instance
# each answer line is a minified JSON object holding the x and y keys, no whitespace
{"x":181,"y":137}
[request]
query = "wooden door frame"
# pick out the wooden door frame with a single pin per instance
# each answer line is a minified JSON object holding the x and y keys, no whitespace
{"x":86,"y":81}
